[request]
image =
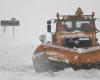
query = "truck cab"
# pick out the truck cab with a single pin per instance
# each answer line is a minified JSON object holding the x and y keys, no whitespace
{"x":74,"y":30}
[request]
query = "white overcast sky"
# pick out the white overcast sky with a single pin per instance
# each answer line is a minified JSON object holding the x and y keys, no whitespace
{"x":33,"y":14}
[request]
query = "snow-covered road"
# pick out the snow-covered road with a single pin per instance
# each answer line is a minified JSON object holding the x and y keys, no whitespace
{"x":23,"y":73}
{"x":16,"y":64}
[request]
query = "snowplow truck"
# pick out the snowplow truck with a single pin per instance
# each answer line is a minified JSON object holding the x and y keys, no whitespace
{"x":73,"y":44}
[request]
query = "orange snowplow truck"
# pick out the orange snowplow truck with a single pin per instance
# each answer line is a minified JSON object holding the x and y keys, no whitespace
{"x":74,"y":44}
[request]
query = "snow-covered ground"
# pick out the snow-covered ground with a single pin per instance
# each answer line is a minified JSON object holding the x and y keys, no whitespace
{"x":16,"y":53}
{"x":16,"y":64}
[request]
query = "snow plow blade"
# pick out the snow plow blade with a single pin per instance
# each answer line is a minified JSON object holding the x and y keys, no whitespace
{"x":44,"y":65}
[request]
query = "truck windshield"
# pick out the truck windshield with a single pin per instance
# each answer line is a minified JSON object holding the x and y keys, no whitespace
{"x":67,"y":24}
{"x":80,"y":23}
{"x":76,"y":25}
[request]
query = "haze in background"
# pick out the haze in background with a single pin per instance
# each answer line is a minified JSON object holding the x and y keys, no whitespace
{"x":33,"y":15}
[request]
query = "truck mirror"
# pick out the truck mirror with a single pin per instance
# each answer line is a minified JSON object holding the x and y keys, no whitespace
{"x":48,"y":22}
{"x":48,"y":28}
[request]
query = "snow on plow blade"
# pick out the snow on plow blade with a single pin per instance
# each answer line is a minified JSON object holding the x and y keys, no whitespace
{"x":41,"y":64}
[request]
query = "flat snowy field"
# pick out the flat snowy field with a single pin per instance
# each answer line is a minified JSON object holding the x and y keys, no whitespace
{"x":16,"y":64}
